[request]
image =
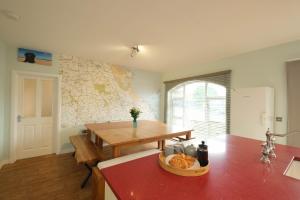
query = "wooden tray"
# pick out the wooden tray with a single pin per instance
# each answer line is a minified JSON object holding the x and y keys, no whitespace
{"x":181,"y":172}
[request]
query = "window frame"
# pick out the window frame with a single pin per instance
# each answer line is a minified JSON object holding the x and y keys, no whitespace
{"x":207,"y":99}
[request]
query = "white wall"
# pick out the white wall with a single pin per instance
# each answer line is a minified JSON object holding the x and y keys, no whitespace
{"x":3,"y":68}
{"x":147,"y":85}
{"x":265,"y":67}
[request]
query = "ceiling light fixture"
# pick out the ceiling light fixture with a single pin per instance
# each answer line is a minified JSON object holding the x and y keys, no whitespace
{"x":10,"y":15}
{"x":134,"y":50}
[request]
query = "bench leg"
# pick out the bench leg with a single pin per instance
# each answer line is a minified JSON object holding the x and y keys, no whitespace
{"x":88,"y":176}
{"x":159,"y":144}
{"x":188,"y":136}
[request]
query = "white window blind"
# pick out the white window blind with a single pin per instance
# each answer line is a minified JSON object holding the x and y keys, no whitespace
{"x":201,"y":103}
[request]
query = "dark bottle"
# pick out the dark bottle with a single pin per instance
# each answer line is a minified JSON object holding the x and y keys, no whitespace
{"x":202,"y":154}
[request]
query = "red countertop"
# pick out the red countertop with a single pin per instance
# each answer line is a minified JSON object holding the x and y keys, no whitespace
{"x":235,"y":173}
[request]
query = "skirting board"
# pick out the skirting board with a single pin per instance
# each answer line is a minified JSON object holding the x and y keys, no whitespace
{"x":3,"y":162}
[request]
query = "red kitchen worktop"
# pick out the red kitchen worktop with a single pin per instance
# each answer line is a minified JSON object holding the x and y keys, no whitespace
{"x":235,"y":173}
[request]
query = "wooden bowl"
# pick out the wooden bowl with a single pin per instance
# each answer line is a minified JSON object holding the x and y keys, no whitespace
{"x":181,"y":172}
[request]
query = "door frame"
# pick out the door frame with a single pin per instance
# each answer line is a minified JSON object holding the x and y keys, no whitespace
{"x":14,"y":110}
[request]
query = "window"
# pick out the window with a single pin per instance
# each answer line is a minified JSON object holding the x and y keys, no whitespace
{"x":200,"y":105}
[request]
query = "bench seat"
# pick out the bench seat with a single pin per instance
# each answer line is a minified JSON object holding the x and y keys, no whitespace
{"x":85,"y":150}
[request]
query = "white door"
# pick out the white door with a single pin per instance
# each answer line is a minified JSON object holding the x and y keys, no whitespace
{"x":35,"y":116}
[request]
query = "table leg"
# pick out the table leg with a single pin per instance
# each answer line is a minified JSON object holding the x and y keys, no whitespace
{"x":188,"y":135}
{"x":159,"y":144}
{"x":163,"y":144}
{"x":100,"y":142}
{"x":116,"y":151}
{"x":89,"y":134}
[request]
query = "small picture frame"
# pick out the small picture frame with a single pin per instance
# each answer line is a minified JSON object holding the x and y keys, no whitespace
{"x":34,"y":57}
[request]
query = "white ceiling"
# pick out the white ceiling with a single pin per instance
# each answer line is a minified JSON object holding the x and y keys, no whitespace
{"x":175,"y":33}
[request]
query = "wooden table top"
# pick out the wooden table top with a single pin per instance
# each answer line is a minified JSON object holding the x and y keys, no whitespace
{"x":116,"y":133}
{"x":108,"y":125}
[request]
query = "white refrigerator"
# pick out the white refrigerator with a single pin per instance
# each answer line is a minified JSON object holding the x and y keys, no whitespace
{"x":252,"y":112}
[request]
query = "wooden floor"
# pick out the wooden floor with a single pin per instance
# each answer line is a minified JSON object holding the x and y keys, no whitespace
{"x":46,"y":177}
{"x":53,"y":177}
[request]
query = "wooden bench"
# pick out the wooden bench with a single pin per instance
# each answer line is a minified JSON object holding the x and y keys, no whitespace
{"x":85,"y":153}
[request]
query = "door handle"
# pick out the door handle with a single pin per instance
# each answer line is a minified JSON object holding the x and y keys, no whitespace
{"x":19,"y":118}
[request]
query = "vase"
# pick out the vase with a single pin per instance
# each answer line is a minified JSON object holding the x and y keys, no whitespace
{"x":134,"y":123}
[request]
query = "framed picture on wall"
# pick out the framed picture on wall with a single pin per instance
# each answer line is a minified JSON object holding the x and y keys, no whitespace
{"x":35,"y":57}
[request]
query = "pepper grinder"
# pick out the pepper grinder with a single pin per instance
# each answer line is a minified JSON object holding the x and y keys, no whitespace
{"x":202,"y":154}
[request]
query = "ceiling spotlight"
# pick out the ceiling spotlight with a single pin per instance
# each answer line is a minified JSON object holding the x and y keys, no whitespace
{"x":134,"y":50}
{"x":10,"y":15}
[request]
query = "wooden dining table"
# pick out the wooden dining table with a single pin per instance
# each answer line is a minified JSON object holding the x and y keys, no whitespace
{"x":120,"y":134}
